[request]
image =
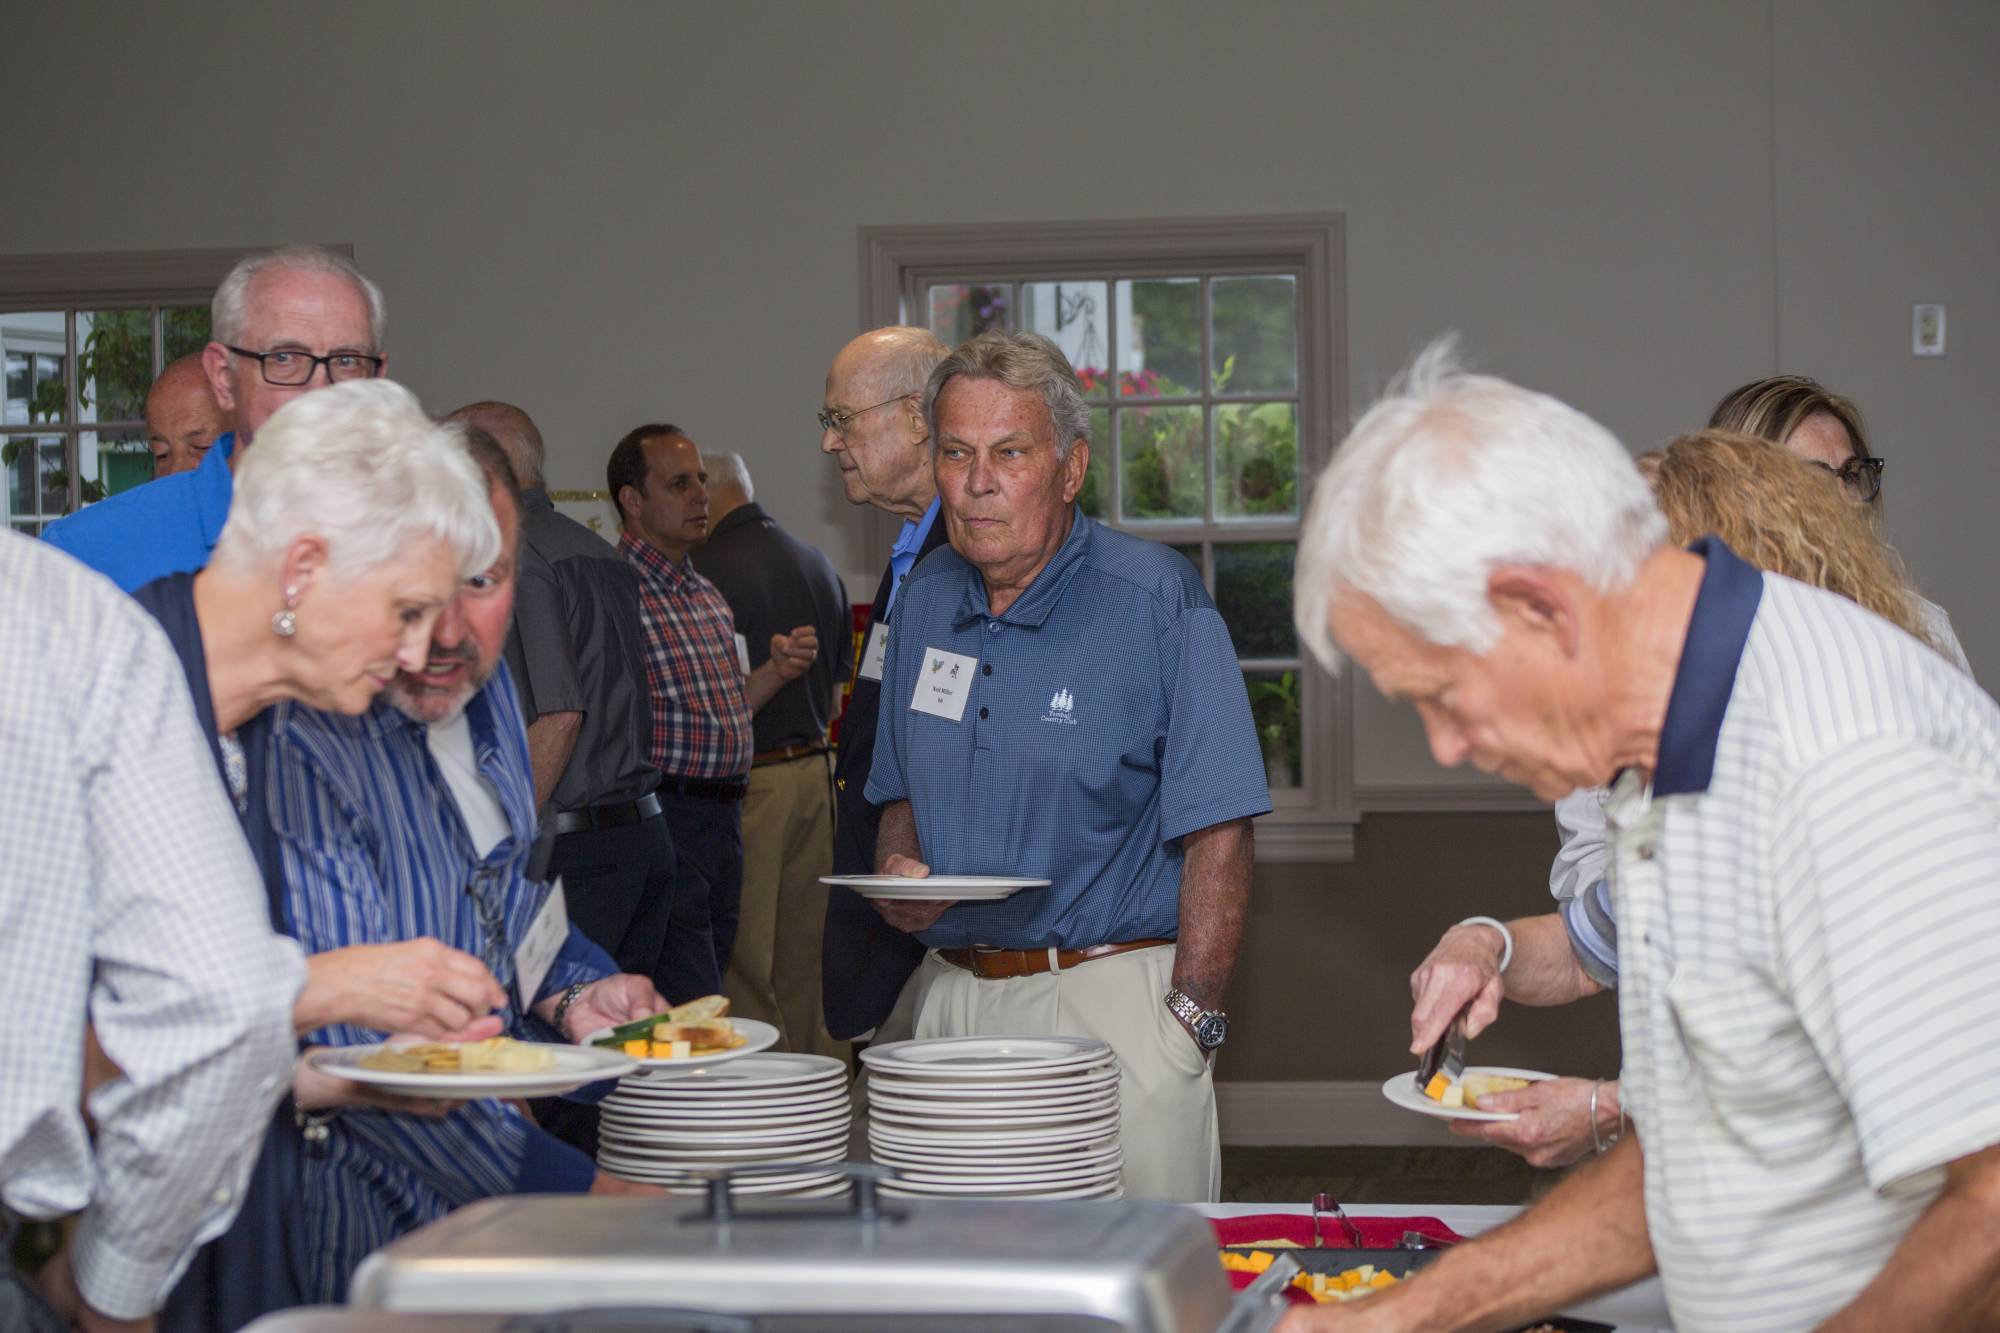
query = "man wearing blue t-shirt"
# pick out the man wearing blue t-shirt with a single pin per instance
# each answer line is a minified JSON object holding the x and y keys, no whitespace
{"x":1062,"y":701}
{"x":283,"y":323}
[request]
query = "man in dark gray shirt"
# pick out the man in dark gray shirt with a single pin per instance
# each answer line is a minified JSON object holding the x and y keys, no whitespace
{"x":774,"y":582}
{"x":575,"y":654}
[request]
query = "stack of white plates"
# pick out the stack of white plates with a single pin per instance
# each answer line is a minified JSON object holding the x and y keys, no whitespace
{"x":668,"y":1128}
{"x":996,"y":1117}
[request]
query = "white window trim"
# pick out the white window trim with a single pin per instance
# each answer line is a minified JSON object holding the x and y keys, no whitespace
{"x":1316,"y":824}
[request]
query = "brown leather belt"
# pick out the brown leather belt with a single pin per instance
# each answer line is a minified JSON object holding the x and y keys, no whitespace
{"x":1000,"y":964}
{"x":784,"y":754}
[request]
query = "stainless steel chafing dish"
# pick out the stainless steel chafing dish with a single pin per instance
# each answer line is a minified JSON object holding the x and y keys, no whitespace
{"x":761,"y":1265}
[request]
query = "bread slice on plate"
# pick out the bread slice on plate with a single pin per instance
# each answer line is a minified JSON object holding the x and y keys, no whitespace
{"x":1481,"y":1085}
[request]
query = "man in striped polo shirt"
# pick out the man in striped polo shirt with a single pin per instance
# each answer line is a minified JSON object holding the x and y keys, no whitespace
{"x":1805,"y":824}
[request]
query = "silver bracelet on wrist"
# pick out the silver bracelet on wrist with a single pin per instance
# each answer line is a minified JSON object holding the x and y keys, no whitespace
{"x":562,"y":1005}
{"x":1506,"y":936}
{"x":1598,"y":1144}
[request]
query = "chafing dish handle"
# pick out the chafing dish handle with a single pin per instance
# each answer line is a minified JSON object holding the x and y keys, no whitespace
{"x":865,"y":1176}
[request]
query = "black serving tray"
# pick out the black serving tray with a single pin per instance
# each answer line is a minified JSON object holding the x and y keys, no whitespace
{"x":1402,"y":1263}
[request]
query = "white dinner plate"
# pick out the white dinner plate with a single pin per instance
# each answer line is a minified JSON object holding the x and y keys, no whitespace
{"x":983,"y":1057}
{"x":918,"y":1106}
{"x":673,"y":1138}
{"x":764,"y":1071}
{"x":805,"y":1177}
{"x":673,"y":1122}
{"x":934,"y":888}
{"x":1077,"y":1154}
{"x":575,"y":1067}
{"x":1040,"y":1179}
{"x":972,"y":1139}
{"x":757,"y":1036}
{"x":837,"y":1188}
{"x":1105,"y":1189}
{"x":747,"y":1116}
{"x":702,"y":1159}
{"x":1403,"y":1091}
{"x":937,"y":1089}
{"x":1072,"y":1116}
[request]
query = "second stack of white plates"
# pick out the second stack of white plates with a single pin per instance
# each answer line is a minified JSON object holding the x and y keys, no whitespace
{"x":996,"y":1117}
{"x":669,"y":1128}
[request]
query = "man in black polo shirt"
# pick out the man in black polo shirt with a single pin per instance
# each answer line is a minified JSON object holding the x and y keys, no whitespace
{"x":576,"y":654}
{"x":872,"y":424}
{"x":772,"y":582}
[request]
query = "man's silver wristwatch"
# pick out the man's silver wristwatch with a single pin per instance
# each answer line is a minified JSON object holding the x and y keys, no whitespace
{"x":1210,"y":1026}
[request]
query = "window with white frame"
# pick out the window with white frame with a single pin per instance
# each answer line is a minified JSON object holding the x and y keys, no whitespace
{"x":68,"y":438}
{"x":1210,"y":352}
{"x":82,"y":337}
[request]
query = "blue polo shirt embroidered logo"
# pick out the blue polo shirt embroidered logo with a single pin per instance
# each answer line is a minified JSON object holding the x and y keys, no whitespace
{"x":1062,"y":708}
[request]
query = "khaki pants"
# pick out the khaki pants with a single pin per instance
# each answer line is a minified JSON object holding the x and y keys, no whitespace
{"x":787,"y":845}
{"x":1166,"y":1098}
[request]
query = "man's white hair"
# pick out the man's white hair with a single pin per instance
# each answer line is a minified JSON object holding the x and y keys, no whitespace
{"x":229,"y":312}
{"x":1451,"y":476}
{"x":728,"y":472}
{"x":360,"y":465}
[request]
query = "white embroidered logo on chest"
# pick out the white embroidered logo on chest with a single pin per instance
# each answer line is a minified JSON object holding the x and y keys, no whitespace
{"x":1062,"y":708}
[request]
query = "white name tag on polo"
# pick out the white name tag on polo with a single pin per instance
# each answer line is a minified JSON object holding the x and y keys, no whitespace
{"x":540,"y":945}
{"x":742,"y":655}
{"x":944,"y":683}
{"x":876,"y":653}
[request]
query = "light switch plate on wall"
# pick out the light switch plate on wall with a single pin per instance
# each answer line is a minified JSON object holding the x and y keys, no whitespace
{"x":1927,"y":329}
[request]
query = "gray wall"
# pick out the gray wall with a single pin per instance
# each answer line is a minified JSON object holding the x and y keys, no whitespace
{"x":611,"y":213}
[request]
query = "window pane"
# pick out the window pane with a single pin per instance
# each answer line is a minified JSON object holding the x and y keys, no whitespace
{"x":1257,"y":460}
{"x":34,"y":344}
{"x":115,"y":363}
{"x":184,"y":330}
{"x":1096,"y":494}
{"x":27,"y":527}
{"x":1274,"y":707}
{"x":17,"y":456}
{"x":1161,"y":462}
{"x":1072,"y":315}
{"x":1159,"y":338}
{"x":959,"y":310}
{"x":114,"y":461}
{"x":1253,"y":590}
{"x":16,"y":413}
{"x":1256,"y":347}
{"x":55,"y":477}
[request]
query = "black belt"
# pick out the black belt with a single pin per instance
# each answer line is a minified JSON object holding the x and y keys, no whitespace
{"x":619,"y":814}
{"x":708,"y":789}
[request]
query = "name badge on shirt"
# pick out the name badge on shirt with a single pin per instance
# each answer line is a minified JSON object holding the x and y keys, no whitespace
{"x":742,"y":655}
{"x":877,"y":651}
{"x":944,"y":683}
{"x":540,"y":945}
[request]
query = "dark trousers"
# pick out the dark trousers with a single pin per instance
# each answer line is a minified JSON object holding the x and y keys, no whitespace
{"x":21,"y":1307}
{"x":708,"y":893}
{"x":618,"y":887}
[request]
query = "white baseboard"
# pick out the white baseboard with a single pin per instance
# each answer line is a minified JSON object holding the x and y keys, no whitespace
{"x":1332,"y":1113}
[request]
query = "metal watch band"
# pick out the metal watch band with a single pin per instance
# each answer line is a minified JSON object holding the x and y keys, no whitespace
{"x":562,"y":1005}
{"x":1185,"y":1008}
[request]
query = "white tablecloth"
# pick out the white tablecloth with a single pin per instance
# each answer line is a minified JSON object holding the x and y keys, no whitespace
{"x":1639,"y":1308}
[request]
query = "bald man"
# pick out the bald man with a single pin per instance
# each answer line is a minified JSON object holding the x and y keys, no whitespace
{"x":576,"y":657}
{"x":182,"y":417}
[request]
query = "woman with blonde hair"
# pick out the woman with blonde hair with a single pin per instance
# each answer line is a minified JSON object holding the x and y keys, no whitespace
{"x":1781,"y":513}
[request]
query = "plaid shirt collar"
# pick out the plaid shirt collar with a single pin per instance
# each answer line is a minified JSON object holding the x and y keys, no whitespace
{"x":655,"y":565}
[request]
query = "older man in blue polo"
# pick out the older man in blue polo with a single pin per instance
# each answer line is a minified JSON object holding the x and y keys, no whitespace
{"x":1096,"y":734}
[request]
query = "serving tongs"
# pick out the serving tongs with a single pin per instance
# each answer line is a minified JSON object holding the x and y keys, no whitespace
{"x":1446,"y":1055}
{"x":1326,"y":1203}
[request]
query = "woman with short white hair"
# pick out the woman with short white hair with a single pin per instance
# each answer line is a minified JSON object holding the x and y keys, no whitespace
{"x":352,"y":525}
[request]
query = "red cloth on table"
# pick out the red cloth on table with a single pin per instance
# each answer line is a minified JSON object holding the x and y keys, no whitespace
{"x":1377,"y":1233}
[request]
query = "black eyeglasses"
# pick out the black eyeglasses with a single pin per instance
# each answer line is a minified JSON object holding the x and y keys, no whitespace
{"x":289,"y":369}
{"x":1863,"y":476}
{"x":837,"y":421}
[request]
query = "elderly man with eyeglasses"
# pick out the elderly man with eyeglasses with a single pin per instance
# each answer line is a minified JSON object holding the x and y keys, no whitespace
{"x":1061,"y":701}
{"x":872,"y":424}
{"x":283,"y":323}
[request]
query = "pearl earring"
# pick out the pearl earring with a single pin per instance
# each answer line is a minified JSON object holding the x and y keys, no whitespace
{"x":286,"y":622}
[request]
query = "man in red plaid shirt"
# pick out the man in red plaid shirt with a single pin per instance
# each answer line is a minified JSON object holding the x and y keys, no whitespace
{"x":703,"y":692}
